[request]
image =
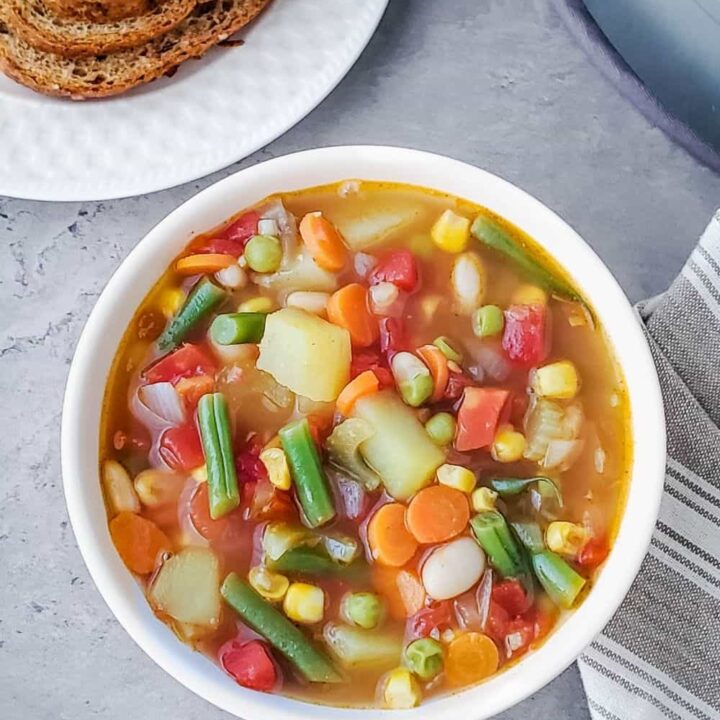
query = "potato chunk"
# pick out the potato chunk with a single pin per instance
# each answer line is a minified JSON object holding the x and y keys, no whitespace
{"x":306,"y":354}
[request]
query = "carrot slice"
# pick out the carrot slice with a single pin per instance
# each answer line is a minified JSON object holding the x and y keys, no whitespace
{"x":437,"y":514}
{"x":437,"y":362}
{"x":204,"y":263}
{"x":402,"y":590}
{"x":366,"y":383}
{"x":323,"y":241}
{"x":139,"y":541}
{"x":348,"y":308}
{"x":470,"y":658}
{"x":390,"y":542}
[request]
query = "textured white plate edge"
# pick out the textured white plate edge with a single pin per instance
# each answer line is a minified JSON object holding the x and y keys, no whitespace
{"x":75,"y":194}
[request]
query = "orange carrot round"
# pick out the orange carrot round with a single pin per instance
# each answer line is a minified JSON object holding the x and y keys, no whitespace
{"x":470,"y":658}
{"x":437,"y":514}
{"x":437,"y":363}
{"x":204,"y":263}
{"x":138,"y":541}
{"x":365,"y":383}
{"x":348,"y":308}
{"x":323,"y":241}
{"x":401,"y":589}
{"x":390,"y":542}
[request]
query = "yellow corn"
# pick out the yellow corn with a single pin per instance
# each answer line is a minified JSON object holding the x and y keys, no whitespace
{"x":276,"y":464}
{"x":272,"y":586}
{"x":566,"y":538}
{"x":508,"y":445}
{"x":171,"y":301}
{"x":199,"y":474}
{"x":304,"y":603}
{"x":456,"y":476}
{"x":401,"y":691}
{"x":527,"y":294}
{"x":451,"y":232}
{"x":483,"y":499}
{"x":559,"y":380}
{"x":257,"y":304}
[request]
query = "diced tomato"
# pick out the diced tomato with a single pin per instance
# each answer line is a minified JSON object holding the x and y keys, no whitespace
{"x":215,"y":530}
{"x":250,"y":664}
{"x":519,"y":634}
{"x":248,"y":464}
{"x":593,"y":553}
{"x":497,"y":621}
{"x":269,"y":503}
{"x":398,"y":267}
{"x":525,"y":338}
{"x":187,"y":361}
{"x":180,"y":447}
{"x":438,"y":616}
{"x":512,"y":596}
{"x":393,"y":338}
{"x":371,"y":359}
{"x":481,"y":411}
{"x":234,"y":237}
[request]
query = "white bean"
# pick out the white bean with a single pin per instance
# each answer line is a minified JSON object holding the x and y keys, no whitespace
{"x":453,"y":568}
{"x":469,"y":282}
{"x":312,"y":302}
{"x":232,"y":277}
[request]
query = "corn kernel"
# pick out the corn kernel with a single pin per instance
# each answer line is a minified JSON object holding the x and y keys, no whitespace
{"x":171,"y":301}
{"x":199,"y":474}
{"x":483,"y":499}
{"x":566,"y":538}
{"x":451,"y":232}
{"x":559,"y":380}
{"x":257,"y":304}
{"x":527,"y":294}
{"x":304,"y":603}
{"x":272,"y":586}
{"x":456,"y":476}
{"x":401,"y":691}
{"x":508,"y":445}
{"x":276,"y":464}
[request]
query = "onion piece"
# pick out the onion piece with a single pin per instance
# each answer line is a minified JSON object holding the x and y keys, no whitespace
{"x":163,"y":400}
{"x":275,"y":210}
{"x":561,"y":454}
{"x":489,"y":361}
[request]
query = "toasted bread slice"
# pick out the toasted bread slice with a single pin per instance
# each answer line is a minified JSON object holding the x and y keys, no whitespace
{"x":33,"y":22}
{"x":98,"y":10}
{"x":105,"y":75}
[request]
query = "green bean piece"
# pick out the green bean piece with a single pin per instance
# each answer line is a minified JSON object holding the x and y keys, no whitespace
{"x":446,"y":347}
{"x":507,"y":487}
{"x":285,"y":637}
{"x":559,"y":580}
{"x":201,"y":301}
{"x":489,"y":233}
{"x":441,"y":428}
{"x":223,"y":494}
{"x":488,"y":321}
{"x":492,"y":533}
{"x":308,"y":476}
{"x":364,"y":609}
{"x":312,"y":562}
{"x":416,"y":390}
{"x":424,"y":657}
{"x":236,"y":328}
{"x":530,"y":535}
{"x":263,"y":253}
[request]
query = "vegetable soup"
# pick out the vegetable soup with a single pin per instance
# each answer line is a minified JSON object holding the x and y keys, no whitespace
{"x":364,"y":444}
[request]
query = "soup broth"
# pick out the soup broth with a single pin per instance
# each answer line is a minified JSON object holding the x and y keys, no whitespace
{"x":364,"y":444}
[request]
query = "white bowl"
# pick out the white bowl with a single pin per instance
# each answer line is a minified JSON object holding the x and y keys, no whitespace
{"x":144,"y":265}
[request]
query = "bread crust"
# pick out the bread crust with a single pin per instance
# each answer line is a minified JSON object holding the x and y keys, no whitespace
{"x":116,"y":73}
{"x":99,"y":11}
{"x":33,"y":23}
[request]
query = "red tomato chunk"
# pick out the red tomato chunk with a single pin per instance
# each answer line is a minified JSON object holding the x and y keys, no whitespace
{"x":481,"y":411}
{"x":525,"y":337}
{"x":512,"y":596}
{"x":180,"y":447}
{"x":249,"y":664}
{"x":187,"y":361}
{"x":233,"y":239}
{"x":398,"y":267}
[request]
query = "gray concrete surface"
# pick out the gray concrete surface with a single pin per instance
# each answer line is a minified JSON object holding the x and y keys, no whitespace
{"x":498,"y":83}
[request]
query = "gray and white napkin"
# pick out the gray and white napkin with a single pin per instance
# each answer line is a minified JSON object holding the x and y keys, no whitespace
{"x":659,"y":657}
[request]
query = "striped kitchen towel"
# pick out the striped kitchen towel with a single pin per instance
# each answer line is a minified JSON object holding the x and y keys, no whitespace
{"x":659,"y":657}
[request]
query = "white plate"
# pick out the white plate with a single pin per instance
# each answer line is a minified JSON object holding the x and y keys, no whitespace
{"x":212,"y":113}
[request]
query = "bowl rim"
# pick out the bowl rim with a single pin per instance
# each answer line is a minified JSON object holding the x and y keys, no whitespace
{"x":137,"y":274}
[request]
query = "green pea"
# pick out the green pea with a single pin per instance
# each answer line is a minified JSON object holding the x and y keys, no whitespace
{"x":487,"y":321}
{"x":441,"y":428}
{"x":424,"y":657}
{"x":364,"y":609}
{"x":263,"y":253}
